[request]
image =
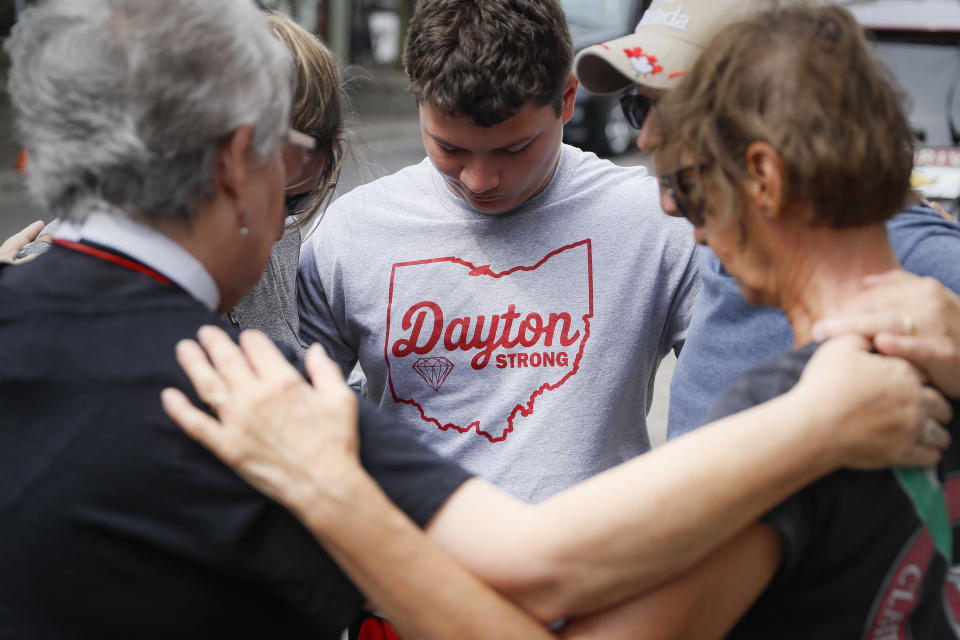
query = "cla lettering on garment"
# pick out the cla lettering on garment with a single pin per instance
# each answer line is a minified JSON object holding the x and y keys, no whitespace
{"x":520,"y":331}
{"x":951,"y":488}
{"x":899,"y":599}
{"x":894,"y":605}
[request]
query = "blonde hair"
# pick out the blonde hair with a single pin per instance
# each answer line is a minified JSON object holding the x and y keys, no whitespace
{"x":317,"y":105}
{"x":802,"y":79}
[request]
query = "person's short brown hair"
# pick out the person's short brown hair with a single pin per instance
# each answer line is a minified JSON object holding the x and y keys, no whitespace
{"x":488,"y":59}
{"x":317,"y":106}
{"x":802,"y":79}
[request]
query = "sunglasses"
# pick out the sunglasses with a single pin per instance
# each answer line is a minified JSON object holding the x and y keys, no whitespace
{"x":680,"y":185}
{"x":635,"y":108}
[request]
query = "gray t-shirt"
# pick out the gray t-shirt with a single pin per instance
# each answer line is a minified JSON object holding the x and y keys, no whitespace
{"x":523,"y":345}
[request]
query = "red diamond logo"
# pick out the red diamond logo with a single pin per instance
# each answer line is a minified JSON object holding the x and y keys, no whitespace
{"x":433,"y":370}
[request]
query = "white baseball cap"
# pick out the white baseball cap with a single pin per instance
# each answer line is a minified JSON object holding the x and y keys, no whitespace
{"x":666,"y":43}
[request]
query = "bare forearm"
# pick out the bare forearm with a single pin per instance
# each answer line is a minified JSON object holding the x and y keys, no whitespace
{"x":423,"y":592}
{"x":644,"y":522}
{"x":593,"y":546}
{"x":655,"y":517}
{"x":637,"y":525}
{"x":701,"y":604}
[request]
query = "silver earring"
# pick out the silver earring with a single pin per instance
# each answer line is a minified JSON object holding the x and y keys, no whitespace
{"x":244,"y":230}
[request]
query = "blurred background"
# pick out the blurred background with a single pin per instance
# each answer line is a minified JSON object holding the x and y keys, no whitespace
{"x":367,"y":36}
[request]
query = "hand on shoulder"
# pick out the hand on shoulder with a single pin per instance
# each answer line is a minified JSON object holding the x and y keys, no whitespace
{"x":906,"y":316}
{"x":874,"y":410}
{"x":290,"y":439}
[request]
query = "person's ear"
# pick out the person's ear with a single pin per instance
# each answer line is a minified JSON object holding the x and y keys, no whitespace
{"x":767,"y":181}
{"x":569,"y":98}
{"x":231,"y":171}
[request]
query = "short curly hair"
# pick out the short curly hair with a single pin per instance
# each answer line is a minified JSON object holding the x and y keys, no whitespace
{"x":802,"y":79}
{"x":488,"y":59}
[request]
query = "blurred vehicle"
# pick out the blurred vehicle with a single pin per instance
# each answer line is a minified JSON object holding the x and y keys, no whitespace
{"x":598,"y":124}
{"x":920,"y":41}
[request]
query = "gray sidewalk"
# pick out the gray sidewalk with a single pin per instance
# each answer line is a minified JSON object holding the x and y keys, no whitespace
{"x":378,"y":102}
{"x":382,"y":126}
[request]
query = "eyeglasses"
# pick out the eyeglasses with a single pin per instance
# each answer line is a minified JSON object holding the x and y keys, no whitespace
{"x":635,"y":108}
{"x":679,"y":185}
{"x":302,"y":158}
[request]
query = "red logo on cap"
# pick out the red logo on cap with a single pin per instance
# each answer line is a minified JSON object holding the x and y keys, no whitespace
{"x":644,"y":64}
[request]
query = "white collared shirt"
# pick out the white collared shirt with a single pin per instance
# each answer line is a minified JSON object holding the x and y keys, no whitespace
{"x":149,"y":247}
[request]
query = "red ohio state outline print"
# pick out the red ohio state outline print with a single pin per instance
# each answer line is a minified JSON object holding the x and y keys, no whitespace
{"x":524,"y":409}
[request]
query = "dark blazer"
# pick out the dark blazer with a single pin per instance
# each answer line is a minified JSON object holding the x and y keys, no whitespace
{"x":113,"y":523}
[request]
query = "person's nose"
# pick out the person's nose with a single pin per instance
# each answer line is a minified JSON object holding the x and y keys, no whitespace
{"x":480,"y":175}
{"x":669,"y":205}
{"x":649,"y":137}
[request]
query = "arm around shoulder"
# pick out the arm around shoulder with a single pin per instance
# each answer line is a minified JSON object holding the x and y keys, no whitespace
{"x":642,"y":523}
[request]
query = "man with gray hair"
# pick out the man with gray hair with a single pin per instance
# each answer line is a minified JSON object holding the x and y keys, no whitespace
{"x":158,"y":132}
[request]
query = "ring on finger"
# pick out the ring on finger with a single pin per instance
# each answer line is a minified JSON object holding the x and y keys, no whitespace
{"x":930,"y":433}
{"x":909,"y":326}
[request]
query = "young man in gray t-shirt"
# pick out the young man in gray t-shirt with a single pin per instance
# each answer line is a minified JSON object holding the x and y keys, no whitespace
{"x":509,"y":298}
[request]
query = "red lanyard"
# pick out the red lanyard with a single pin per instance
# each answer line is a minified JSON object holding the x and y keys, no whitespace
{"x":114,"y":258}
